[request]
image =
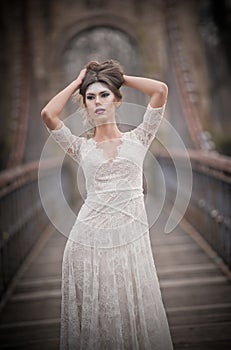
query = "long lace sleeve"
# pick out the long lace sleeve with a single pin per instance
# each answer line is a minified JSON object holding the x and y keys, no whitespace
{"x":146,"y":131}
{"x":69,"y":142}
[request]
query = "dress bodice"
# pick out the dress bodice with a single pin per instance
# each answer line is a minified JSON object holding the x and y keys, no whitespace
{"x":114,"y":211}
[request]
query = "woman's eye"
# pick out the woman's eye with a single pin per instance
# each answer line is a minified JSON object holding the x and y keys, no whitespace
{"x":105,"y":94}
{"x":90,"y":97}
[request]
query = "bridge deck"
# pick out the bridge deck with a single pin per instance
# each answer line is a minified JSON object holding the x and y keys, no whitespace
{"x":195,"y":290}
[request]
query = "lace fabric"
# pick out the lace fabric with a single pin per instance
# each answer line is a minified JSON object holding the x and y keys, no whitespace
{"x":144,"y":132}
{"x":110,"y":291}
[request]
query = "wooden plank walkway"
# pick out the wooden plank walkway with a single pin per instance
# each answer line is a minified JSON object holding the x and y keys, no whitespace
{"x":195,"y":287}
{"x":196,"y":293}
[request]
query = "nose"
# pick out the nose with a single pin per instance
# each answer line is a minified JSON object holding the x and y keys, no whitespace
{"x":97,"y":99}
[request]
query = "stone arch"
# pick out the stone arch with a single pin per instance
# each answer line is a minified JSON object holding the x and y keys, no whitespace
{"x":93,"y":21}
{"x":111,"y":29}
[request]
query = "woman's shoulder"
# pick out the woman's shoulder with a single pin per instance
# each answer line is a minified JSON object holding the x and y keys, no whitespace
{"x":64,"y":129}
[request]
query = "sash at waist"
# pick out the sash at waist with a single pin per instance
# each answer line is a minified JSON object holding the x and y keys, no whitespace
{"x":131,"y":190}
{"x":115,"y":197}
{"x":111,"y":217}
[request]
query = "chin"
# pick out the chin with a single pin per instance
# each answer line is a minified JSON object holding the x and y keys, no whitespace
{"x":101,"y":118}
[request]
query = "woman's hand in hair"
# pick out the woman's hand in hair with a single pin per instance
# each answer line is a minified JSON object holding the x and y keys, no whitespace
{"x":51,"y":112}
{"x":81,"y":76}
{"x":156,"y":90}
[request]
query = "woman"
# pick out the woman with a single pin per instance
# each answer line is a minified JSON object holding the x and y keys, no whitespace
{"x":110,"y":292}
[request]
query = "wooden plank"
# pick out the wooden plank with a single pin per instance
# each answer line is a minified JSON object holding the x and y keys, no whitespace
{"x":198,"y":318}
{"x":163,"y":258}
{"x":203,"y":345}
{"x":36,"y":295}
{"x":187,"y":268}
{"x":27,"y":337}
{"x":188,"y":271}
{"x":44,"y":269}
{"x":171,"y":239}
{"x":175,"y":248}
{"x":22,"y":324}
{"x":199,"y":314}
{"x":197,"y":295}
{"x":216,"y":331}
{"x":43,"y":283}
{"x":201,"y":307}
{"x":46,"y":343}
{"x":29,"y":310}
{"x":184,"y":282}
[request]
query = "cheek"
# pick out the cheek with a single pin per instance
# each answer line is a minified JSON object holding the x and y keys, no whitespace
{"x":111,"y":102}
{"x":89,"y":106}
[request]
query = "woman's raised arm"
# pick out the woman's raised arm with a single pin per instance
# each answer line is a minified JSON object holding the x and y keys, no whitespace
{"x":50,"y":113}
{"x":157,"y":90}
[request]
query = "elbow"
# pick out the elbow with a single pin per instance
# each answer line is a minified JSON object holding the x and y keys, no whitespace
{"x":162,"y":94}
{"x":49,"y":119}
{"x":45,"y":115}
{"x":164,"y":91}
{"x":159,"y":97}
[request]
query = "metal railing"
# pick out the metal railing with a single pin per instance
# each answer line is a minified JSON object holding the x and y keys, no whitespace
{"x":209,"y":208}
{"x":22,"y":217}
{"x":20,"y":79}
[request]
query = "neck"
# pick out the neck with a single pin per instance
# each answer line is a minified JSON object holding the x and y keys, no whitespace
{"x":106,"y":131}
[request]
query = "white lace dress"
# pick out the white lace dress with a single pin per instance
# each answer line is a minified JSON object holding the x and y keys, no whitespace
{"x":110,"y":291}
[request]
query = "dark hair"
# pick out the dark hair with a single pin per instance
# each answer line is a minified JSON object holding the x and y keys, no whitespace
{"x":108,"y":72}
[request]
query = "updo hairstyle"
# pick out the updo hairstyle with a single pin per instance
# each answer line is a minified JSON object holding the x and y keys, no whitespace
{"x":109,"y":73}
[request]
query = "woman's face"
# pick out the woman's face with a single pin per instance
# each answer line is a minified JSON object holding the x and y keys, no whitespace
{"x":100,"y":103}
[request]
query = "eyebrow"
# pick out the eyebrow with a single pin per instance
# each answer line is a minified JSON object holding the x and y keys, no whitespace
{"x":101,"y":92}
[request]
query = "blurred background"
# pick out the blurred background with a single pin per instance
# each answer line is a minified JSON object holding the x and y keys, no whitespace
{"x":44,"y":45}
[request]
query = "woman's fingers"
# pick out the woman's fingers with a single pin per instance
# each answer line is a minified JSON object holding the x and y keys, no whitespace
{"x":82,"y":74}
